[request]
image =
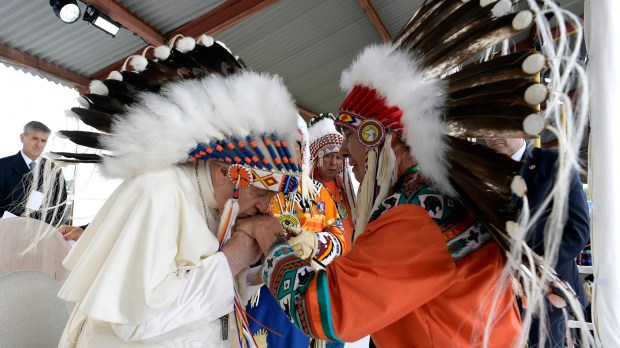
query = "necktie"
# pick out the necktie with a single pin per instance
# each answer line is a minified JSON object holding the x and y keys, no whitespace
{"x":32,"y":165}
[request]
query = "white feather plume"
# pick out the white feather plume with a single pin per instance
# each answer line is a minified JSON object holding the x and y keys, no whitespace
{"x":185,"y":44}
{"x":82,"y":102}
{"x":98,"y":87}
{"x":138,"y":63}
{"x":206,"y":40}
{"x":115,"y":75}
{"x":396,"y":76}
{"x":161,"y":129}
{"x":320,"y":129}
{"x":308,"y":189}
{"x":161,"y":52}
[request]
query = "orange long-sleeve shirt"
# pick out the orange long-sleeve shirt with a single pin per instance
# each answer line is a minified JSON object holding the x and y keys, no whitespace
{"x":400,"y":283}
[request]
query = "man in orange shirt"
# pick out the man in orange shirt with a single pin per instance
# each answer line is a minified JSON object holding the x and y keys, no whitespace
{"x":330,"y":168}
{"x":422,"y":271}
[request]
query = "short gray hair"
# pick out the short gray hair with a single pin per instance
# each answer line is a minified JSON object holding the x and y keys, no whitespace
{"x":36,"y":126}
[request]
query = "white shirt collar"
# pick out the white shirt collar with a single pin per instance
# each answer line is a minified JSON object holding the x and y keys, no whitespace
{"x":26,"y":158}
{"x":518,"y":155}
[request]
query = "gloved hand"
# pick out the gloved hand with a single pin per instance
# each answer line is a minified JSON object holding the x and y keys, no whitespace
{"x":304,"y":243}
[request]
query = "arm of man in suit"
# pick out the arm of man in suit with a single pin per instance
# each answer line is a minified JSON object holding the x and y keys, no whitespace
{"x":577,"y":229}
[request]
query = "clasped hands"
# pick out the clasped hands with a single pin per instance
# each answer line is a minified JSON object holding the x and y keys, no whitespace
{"x":266,"y":229}
{"x":254,"y":236}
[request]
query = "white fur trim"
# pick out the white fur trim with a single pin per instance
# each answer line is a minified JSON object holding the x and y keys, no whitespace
{"x":98,"y":87}
{"x":534,"y":124}
{"x":83,"y":102}
{"x":522,"y":20}
{"x":206,"y":40}
{"x":115,"y":75}
{"x":320,"y":129}
{"x":395,"y":75}
{"x":512,"y":228}
{"x":534,"y":63}
{"x":518,"y":186}
{"x":483,"y":3}
{"x":185,"y":44}
{"x":138,"y":63}
{"x":160,"y":130}
{"x":535,"y":94}
{"x":501,"y":8}
{"x":161,"y":52}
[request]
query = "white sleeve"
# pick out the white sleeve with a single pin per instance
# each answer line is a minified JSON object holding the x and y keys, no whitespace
{"x":207,"y":294}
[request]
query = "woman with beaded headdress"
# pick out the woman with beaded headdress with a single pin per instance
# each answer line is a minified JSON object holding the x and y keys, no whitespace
{"x":331,"y":169}
{"x":161,"y":263}
{"x":437,"y":239}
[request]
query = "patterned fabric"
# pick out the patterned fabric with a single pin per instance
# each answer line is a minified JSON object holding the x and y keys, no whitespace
{"x":291,"y":277}
{"x":463,"y":233}
{"x":268,"y":324}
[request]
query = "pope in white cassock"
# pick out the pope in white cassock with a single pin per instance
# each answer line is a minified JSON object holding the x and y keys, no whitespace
{"x":161,"y":264}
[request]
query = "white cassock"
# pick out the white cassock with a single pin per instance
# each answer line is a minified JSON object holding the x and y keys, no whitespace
{"x":147,"y":271}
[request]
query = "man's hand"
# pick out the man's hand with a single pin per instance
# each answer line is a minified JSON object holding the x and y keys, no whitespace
{"x":70,"y":232}
{"x":241,"y":250}
{"x":264,"y":228}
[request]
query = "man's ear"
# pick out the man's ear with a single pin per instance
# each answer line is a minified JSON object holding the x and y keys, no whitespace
{"x":21,"y":137}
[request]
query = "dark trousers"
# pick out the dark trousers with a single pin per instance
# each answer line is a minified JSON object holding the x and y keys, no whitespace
{"x":556,"y":328}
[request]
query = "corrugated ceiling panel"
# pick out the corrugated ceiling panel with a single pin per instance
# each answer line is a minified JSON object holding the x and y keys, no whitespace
{"x":396,"y":13}
{"x":308,"y":43}
{"x":169,"y":15}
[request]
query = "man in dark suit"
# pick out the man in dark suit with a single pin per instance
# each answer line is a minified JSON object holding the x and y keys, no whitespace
{"x":17,"y":173}
{"x":538,"y":171}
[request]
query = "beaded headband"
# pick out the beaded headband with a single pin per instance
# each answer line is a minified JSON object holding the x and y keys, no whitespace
{"x":250,"y":166}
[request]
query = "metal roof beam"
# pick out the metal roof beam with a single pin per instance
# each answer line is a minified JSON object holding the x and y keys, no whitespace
{"x":129,"y":20}
{"x":376,"y":21}
{"x":16,"y":57}
{"x":222,"y":17}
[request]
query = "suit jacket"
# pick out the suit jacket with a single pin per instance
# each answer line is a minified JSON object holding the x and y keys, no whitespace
{"x":538,"y":172}
{"x":15,"y":180}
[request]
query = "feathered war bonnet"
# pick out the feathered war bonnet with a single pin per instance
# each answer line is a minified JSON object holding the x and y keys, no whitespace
{"x":428,"y":89}
{"x":193,"y":101}
{"x":324,"y":138}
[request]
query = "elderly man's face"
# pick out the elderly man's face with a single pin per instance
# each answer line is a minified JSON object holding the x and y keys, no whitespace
{"x":34,"y":143}
{"x":252,"y":200}
{"x":356,"y":152}
{"x":507,"y":146}
{"x":332,"y":163}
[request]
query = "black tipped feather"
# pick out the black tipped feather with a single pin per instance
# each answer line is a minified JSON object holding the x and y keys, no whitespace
{"x":83,"y":138}
{"x":79,"y":157}
{"x":96,"y":119}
